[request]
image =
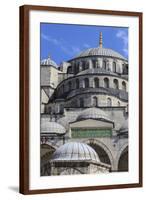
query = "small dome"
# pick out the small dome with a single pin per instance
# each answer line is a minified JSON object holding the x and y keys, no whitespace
{"x":97,"y":71}
{"x":75,"y":151}
{"x":93,"y":113}
{"x":48,"y":62}
{"x":124,"y":127}
{"x":48,"y":127}
{"x":100,"y":51}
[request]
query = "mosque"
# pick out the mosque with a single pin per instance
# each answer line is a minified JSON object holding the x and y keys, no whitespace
{"x":84,"y":113}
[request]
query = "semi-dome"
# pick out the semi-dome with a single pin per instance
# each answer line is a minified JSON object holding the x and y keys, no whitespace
{"x":48,"y":62}
{"x":97,"y":71}
{"x":93,"y":113}
{"x":75,"y":151}
{"x":100,"y":51}
{"x":48,"y":127}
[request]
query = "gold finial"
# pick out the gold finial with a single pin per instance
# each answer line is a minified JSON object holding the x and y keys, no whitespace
{"x":100,"y":40}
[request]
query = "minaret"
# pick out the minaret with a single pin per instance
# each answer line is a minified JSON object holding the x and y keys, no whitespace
{"x":100,"y":40}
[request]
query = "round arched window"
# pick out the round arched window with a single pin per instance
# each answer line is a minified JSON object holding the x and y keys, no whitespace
{"x":106,"y":82}
{"x":104,"y":64}
{"x":109,"y":102}
{"x":116,"y":84}
{"x":124,"y":86}
{"x":86,"y":82}
{"x":96,"y":82}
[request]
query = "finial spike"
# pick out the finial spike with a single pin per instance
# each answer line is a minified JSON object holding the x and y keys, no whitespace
{"x":100,"y":40}
{"x":49,"y":56}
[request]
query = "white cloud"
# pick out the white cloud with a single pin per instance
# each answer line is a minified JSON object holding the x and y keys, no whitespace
{"x":86,"y":45}
{"x":124,"y":37}
{"x":62,"y":44}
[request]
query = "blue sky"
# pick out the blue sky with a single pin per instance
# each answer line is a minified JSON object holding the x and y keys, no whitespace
{"x":63,"y":41}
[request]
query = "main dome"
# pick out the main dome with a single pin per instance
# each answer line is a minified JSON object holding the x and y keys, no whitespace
{"x":75,"y":151}
{"x":100,"y":51}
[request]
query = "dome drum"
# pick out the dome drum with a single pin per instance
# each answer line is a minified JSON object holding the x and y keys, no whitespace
{"x":112,"y":64}
{"x":88,"y":80}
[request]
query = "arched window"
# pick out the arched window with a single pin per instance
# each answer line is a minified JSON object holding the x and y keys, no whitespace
{"x":87,"y":65}
{"x":94,"y":63}
{"x":95,"y":101}
{"x":69,"y":70}
{"x":77,"y":84}
{"x":77,"y":68}
{"x":124,"y":86}
{"x":96,"y":82}
{"x":106,"y":82}
{"x":104,"y":64}
{"x":125,"y":68}
{"x":61,"y":108}
{"x":83,"y":65}
{"x":69,"y":85}
{"x":86,"y":80}
{"x":116,"y":84}
{"x":114,"y":66}
{"x":81,"y":102}
{"x":109,"y":102}
{"x":118,"y":103}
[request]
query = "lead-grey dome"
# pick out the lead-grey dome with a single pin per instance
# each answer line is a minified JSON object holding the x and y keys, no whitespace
{"x":48,"y":62}
{"x":75,"y":151}
{"x":48,"y":127}
{"x":100,"y":51}
{"x":93,"y":113}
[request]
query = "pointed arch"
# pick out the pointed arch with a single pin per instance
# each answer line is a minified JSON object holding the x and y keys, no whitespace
{"x":102,"y":150}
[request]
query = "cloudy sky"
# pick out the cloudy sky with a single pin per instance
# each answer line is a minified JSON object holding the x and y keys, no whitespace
{"x":63,"y":42}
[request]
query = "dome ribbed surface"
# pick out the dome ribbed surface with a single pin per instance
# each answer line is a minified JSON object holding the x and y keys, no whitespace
{"x":75,"y":151}
{"x":48,"y":62}
{"x":51,"y":127}
{"x":101,"y":52}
